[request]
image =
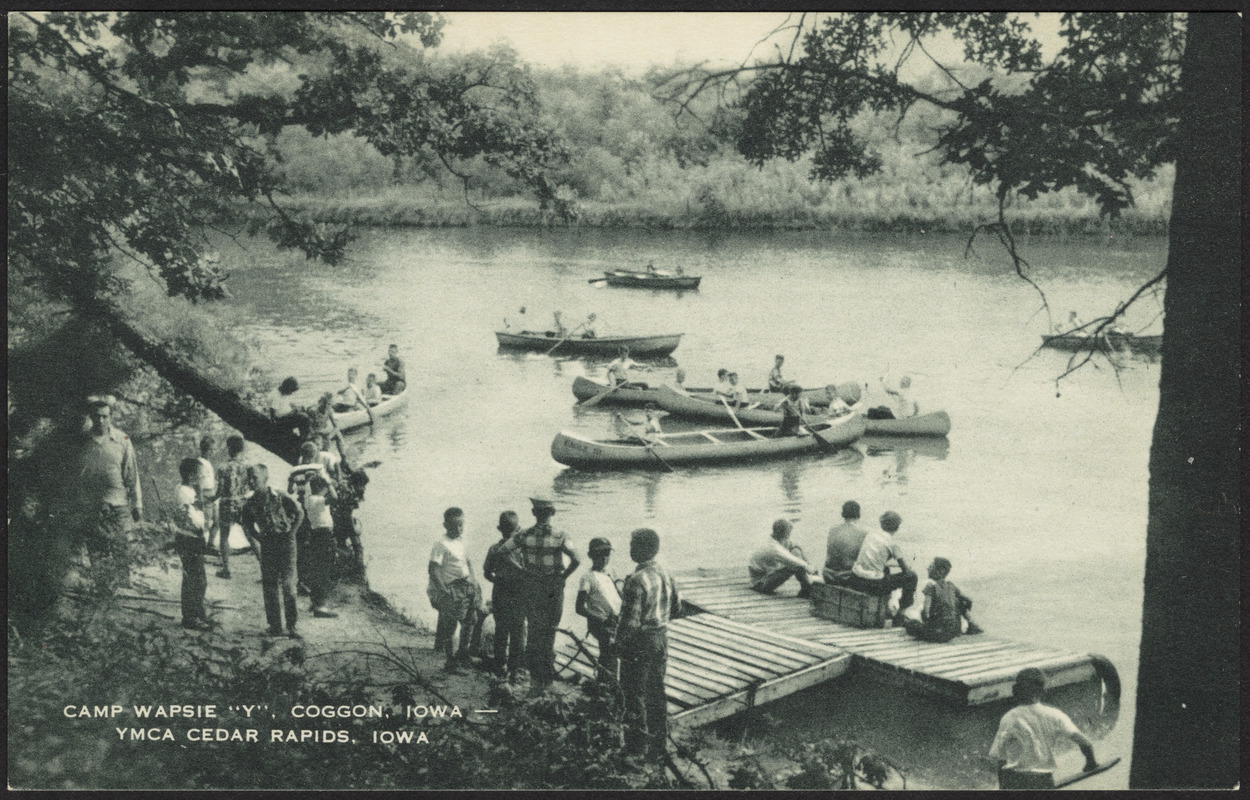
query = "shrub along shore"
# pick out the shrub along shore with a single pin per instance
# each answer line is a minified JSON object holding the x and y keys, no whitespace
{"x":403,"y":207}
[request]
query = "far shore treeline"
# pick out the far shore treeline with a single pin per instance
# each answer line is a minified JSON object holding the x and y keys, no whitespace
{"x":635,"y":163}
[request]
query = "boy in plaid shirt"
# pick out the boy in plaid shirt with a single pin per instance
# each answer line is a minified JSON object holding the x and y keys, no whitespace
{"x":542,"y":551}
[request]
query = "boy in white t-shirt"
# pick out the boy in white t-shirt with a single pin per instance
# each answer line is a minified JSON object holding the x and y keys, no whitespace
{"x":319,"y":563}
{"x":190,"y":544}
{"x":600,"y":603}
{"x":453,"y":591}
{"x":1030,"y":734}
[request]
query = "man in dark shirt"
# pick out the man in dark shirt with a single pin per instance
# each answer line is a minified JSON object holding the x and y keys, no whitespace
{"x":272,"y":519}
{"x":396,"y":376}
{"x":648,"y":602}
{"x":505,"y":600}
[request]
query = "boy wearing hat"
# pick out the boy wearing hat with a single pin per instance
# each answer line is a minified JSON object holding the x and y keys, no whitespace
{"x":1029,"y":734}
{"x":541,"y":552}
{"x":600,"y":603}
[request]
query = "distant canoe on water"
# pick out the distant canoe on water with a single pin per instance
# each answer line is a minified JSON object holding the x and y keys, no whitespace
{"x":700,"y":447}
{"x":1077,"y":342}
{"x":548,"y":341}
{"x":357,"y":417}
{"x":651,"y":280}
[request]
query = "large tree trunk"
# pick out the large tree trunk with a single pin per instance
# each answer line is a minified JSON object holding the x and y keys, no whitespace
{"x":1188,"y":704}
{"x":255,"y":426}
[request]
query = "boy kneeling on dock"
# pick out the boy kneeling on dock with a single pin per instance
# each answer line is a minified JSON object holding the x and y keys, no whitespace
{"x":941,"y":618}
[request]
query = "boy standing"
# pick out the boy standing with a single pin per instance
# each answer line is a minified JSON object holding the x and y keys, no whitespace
{"x":271,"y":519}
{"x":190,"y":544}
{"x":600,"y":603}
{"x":452,"y":591}
{"x":320,"y":543}
{"x":944,"y":607}
{"x":1029,"y":734}
{"x":505,"y":598}
{"x":231,"y":492}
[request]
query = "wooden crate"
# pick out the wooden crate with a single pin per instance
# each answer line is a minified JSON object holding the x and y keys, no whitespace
{"x":848,"y":606}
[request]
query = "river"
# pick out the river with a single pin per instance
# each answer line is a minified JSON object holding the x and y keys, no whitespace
{"x":1038,"y":497}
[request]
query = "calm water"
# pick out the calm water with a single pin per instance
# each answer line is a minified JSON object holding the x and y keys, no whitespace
{"x":1038,"y":497}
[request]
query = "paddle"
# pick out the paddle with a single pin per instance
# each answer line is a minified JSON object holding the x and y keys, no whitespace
{"x":732,"y":415}
{"x":825,"y":444}
{"x":593,"y":400}
{"x":650,"y":447}
{"x":1080,"y":776}
{"x":598,"y":280}
{"x":569,"y":335}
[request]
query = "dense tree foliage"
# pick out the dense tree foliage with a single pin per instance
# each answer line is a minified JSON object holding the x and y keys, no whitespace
{"x":1124,"y":94}
{"x":128,"y":132}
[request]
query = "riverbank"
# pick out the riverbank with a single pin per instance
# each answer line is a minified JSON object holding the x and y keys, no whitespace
{"x":407,"y":207}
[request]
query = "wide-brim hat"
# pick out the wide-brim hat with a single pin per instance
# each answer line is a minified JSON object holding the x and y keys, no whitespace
{"x":540,"y":500}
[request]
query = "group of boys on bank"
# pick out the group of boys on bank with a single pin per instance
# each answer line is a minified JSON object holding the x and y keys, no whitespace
{"x":283,"y":530}
{"x":528,"y":569}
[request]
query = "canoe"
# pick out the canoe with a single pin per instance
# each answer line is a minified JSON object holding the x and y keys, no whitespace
{"x":699,"y":447}
{"x":1077,"y":342}
{"x":357,"y":418}
{"x":596,"y":345}
{"x":584,"y":389}
{"x":651,"y":280}
{"x":936,"y":423}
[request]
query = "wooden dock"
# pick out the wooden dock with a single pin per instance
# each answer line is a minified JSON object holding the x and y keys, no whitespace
{"x":970,"y":670}
{"x":718,"y":666}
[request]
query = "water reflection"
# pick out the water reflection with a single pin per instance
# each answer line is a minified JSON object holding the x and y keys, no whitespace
{"x":903,"y":449}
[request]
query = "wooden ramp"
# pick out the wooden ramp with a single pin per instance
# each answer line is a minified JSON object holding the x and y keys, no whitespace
{"x":970,"y":669}
{"x":718,"y":667}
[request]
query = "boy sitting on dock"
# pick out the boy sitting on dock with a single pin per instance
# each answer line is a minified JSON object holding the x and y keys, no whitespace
{"x":779,"y":558}
{"x":941,"y":618}
{"x":600,"y":603}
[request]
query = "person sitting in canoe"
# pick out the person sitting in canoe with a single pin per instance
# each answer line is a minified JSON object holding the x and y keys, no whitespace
{"x":654,"y":414}
{"x":722,"y":384}
{"x":373,"y":392}
{"x":791,"y":409}
{"x":1074,"y":322}
{"x":396,"y":376}
{"x":350,"y":396}
{"x":837,"y":406}
{"x":679,"y":382}
{"x":650,"y":267}
{"x":618,"y":370}
{"x":904,"y":406}
{"x":737,"y":394}
{"x":776,"y":383}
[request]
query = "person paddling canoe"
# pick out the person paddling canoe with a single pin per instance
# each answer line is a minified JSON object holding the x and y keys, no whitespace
{"x":618,"y":370}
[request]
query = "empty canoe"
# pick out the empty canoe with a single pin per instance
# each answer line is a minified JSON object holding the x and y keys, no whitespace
{"x":651,"y":280}
{"x":548,"y":341}
{"x":357,"y":418}
{"x":699,"y":447}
